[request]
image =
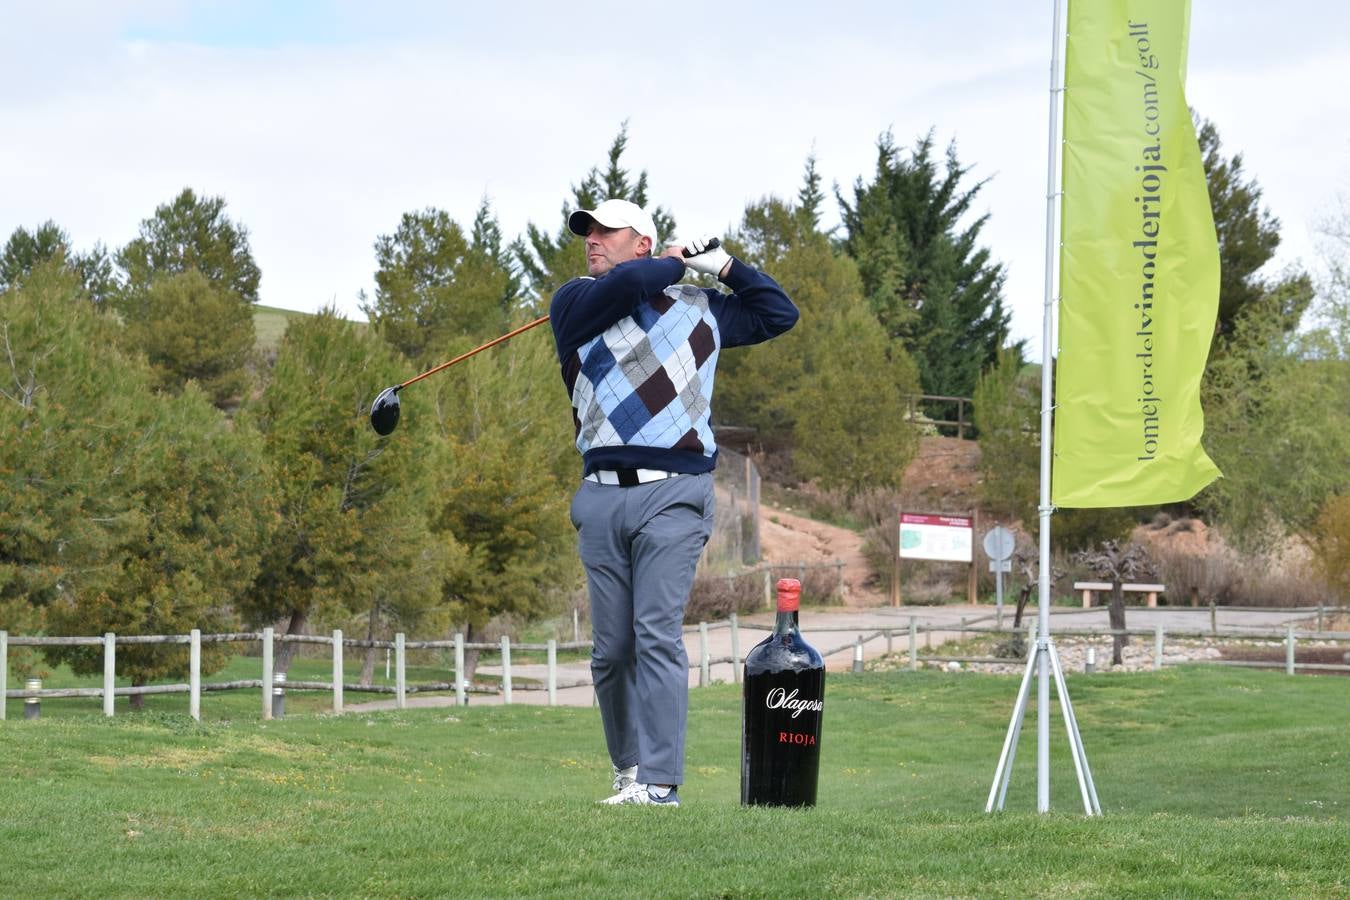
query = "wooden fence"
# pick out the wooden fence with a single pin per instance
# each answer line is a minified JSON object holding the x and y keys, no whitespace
{"x":268,"y":685}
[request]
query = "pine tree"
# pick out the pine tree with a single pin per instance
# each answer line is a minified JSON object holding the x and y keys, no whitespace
{"x":25,"y":250}
{"x":834,"y":385}
{"x":353,"y":506}
{"x":1248,"y":237}
{"x":191,"y":330}
{"x":190,"y":233}
{"x":435,"y":284}
{"x":130,"y":511}
{"x":935,"y":290}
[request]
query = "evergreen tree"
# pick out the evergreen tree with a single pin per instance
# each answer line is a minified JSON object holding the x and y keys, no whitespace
{"x":549,"y":262}
{"x":435,"y":284}
{"x":933,"y":288}
{"x":193,"y":327}
{"x":506,"y":482}
{"x":190,"y":233}
{"x":25,"y":250}
{"x":834,"y":386}
{"x":850,"y":434}
{"x":352,"y":505}
{"x":1248,"y":237}
{"x":191,"y":330}
{"x":1007,"y":416}
{"x":127,"y":511}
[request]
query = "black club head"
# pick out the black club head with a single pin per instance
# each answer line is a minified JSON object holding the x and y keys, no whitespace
{"x":384,"y":411}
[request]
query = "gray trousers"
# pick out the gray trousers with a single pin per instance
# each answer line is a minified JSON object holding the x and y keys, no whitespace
{"x":640,"y":546}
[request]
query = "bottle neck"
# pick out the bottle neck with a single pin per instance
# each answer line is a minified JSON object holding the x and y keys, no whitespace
{"x":786,"y":623}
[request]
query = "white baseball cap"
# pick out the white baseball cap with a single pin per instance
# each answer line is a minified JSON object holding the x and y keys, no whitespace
{"x":614,"y":214}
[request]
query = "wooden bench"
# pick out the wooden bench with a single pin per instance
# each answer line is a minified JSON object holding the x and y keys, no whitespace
{"x":1150,"y":591}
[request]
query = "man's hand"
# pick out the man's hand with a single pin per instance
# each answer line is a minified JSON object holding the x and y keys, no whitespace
{"x":703,"y":255}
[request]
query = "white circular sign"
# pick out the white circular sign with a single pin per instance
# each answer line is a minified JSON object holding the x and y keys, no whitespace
{"x":999,"y":543}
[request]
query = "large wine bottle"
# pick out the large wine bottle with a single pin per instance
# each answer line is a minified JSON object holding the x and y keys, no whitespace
{"x":782,"y":707}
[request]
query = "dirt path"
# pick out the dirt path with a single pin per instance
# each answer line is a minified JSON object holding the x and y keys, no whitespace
{"x":785,"y":537}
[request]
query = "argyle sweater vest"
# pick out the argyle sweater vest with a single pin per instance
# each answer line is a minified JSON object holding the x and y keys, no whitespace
{"x":647,"y":380}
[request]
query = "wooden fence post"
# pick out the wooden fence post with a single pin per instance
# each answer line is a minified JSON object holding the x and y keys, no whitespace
{"x":858,"y":656}
{"x":735,"y":651}
{"x":267,"y":674}
{"x":338,"y":670}
{"x":913,"y":643}
{"x":400,"y":671}
{"x":552,"y":672}
{"x":506,"y":669}
{"x":768,"y":588}
{"x":1213,"y":619}
{"x":109,"y":671}
{"x":703,"y":654}
{"x":195,"y":674}
{"x":1289,"y":651}
{"x":4,"y":671}
{"x":1157,"y":646}
{"x":460,"y":698}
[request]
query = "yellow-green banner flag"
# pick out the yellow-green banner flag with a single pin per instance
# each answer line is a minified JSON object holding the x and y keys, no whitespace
{"x":1139,"y":264}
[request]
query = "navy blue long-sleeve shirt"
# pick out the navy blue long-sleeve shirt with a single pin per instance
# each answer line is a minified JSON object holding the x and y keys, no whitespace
{"x":639,"y":353}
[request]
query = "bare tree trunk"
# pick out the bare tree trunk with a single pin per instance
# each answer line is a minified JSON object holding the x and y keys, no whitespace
{"x":1117,"y":619}
{"x":368,"y":664}
{"x":137,"y":700}
{"x":471,"y":635}
{"x":287,"y":651}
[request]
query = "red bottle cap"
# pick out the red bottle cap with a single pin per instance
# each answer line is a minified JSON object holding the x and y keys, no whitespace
{"x":789,"y":594}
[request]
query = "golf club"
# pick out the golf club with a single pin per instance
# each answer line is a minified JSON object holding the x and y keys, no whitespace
{"x":384,"y":411}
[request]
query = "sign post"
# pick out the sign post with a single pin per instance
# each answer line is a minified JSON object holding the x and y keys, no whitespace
{"x":998,"y":544}
{"x":936,"y":537}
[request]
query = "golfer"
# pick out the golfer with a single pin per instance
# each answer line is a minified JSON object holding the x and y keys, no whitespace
{"x":639,"y":352}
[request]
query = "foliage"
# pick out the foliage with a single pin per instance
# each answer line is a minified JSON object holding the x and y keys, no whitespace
{"x":126,"y":511}
{"x":840,"y":410}
{"x":191,"y":330}
{"x":505,"y":482}
{"x":933,"y":288}
{"x":549,"y":262}
{"x":189,"y":233}
{"x":353,"y":506}
{"x":1278,"y":427}
{"x":1007,"y":416}
{"x":1248,"y":237}
{"x":435,"y":283}
{"x":1331,"y":544}
{"x":25,"y":251}
{"x":849,"y":434}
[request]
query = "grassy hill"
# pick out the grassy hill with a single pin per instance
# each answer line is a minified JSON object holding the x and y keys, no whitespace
{"x":269,"y":323}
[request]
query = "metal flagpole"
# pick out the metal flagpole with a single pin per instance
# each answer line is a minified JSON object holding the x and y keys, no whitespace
{"x":1043,"y":658}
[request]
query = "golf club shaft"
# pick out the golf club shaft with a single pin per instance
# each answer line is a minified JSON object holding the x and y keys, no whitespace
{"x":463,"y":356}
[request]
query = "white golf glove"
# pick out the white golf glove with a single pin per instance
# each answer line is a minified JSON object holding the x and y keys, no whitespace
{"x":704,"y":259}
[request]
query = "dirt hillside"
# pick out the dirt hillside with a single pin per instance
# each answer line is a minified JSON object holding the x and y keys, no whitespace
{"x":943,"y":477}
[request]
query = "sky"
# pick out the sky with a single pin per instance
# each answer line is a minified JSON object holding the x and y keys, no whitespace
{"x":320,"y":122}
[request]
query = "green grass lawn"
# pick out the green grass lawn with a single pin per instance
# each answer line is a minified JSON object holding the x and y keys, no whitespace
{"x":1213,"y":782}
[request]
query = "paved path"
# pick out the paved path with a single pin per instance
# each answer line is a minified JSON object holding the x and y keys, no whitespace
{"x":830,"y":629}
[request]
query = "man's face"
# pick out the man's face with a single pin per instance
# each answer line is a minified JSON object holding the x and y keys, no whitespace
{"x":607,"y":247}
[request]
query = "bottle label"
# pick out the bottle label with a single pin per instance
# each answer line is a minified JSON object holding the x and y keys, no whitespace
{"x":778,"y":698}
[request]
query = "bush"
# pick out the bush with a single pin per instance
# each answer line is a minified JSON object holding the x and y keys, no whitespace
{"x":1331,"y":545}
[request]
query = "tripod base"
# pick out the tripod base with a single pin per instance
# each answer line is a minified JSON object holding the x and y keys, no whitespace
{"x":1047,"y":658}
